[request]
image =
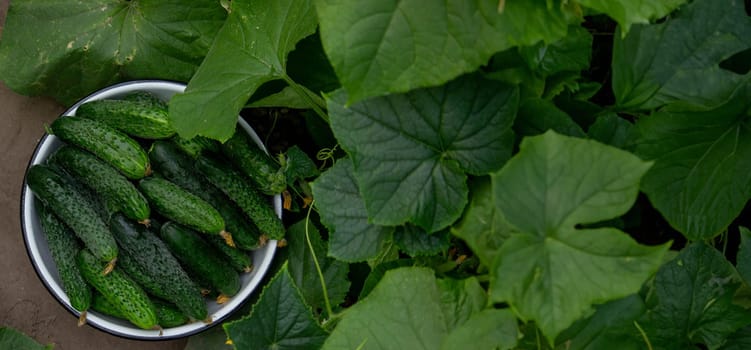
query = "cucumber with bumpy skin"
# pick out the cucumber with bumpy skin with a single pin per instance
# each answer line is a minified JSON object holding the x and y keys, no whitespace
{"x":120,"y":289}
{"x":63,"y":247}
{"x":196,"y":145}
{"x":167,"y":314}
{"x":176,"y":166}
{"x":75,"y":210}
{"x":255,"y":163}
{"x":146,"y":98}
{"x":104,"y":180}
{"x":179,"y":205}
{"x":137,"y":119}
{"x":106,"y":142}
{"x":148,"y":260}
{"x":201,"y":258}
{"x":236,"y":187}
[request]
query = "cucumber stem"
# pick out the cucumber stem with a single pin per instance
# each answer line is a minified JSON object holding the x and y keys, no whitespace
{"x":110,"y":266}
{"x":82,"y":319}
{"x":227,"y":238}
{"x":329,"y":310}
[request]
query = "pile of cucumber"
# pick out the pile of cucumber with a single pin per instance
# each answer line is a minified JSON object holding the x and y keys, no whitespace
{"x":145,"y":225}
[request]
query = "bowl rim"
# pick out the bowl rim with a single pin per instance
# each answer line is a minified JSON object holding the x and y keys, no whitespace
{"x":26,"y":193}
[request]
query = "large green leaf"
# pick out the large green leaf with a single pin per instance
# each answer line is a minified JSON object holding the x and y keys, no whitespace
{"x":279,"y":320}
{"x":701,"y":179}
{"x":489,"y":329}
{"x":694,"y":293}
{"x":537,"y":116}
{"x":611,"y":327}
{"x":553,"y":272}
{"x":570,"y":53}
{"x":628,"y":12}
{"x":393,"y":46}
{"x":680,"y":58}
{"x":249,"y":50}
{"x":482,"y":226}
{"x":351,"y":237}
{"x":416,"y":242}
{"x":408,"y":309}
{"x":412,"y":151}
{"x":69,"y":49}
{"x":303,"y":270}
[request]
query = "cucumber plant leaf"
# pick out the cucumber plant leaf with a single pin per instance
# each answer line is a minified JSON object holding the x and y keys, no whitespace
{"x":537,"y":116}
{"x":394,"y":316}
{"x":416,"y":242}
{"x":701,"y":179}
{"x":13,"y":339}
{"x":412,"y":152}
{"x":570,"y":53}
{"x":743,"y":259}
{"x":280,"y":319}
{"x":69,"y":49}
{"x":680,"y":58}
{"x":610,"y":327}
{"x":628,"y":12}
{"x":482,"y":225}
{"x":250,"y":49}
{"x":613,"y":130}
{"x":694,"y":293}
{"x":488,"y":329}
{"x":392,"y":46}
{"x":303,"y":270}
{"x":351,"y":237}
{"x":552,"y":185}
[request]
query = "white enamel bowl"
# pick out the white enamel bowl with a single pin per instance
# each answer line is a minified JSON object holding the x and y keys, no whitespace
{"x":45,"y":266}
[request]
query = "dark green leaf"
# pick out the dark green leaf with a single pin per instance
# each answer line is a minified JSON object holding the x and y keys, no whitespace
{"x":411,"y":151}
{"x":613,"y":130}
{"x":13,"y":339}
{"x":611,"y":327}
{"x":392,"y":46}
{"x":308,"y":65}
{"x":298,"y":165}
{"x":743,"y":260}
{"x":694,"y":293}
{"x":302,"y":268}
{"x":552,"y":185}
{"x":489,"y":329}
{"x":701,"y":179}
{"x":69,"y":49}
{"x":570,"y":53}
{"x":679,"y":59}
{"x":416,"y":242}
{"x":482,"y":226}
{"x":279,"y":320}
{"x":351,"y":237}
{"x":628,"y":12}
{"x":250,"y":49}
{"x":740,"y":340}
{"x":536,"y":116}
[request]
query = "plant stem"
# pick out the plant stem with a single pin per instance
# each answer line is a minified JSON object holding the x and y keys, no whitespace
{"x":643,"y":335}
{"x":316,"y":103}
{"x":329,"y":310}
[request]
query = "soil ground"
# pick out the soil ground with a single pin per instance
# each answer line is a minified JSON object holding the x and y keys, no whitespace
{"x":25,"y":304}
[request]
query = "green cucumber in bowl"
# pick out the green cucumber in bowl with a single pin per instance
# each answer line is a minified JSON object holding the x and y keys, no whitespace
{"x":135,"y":118}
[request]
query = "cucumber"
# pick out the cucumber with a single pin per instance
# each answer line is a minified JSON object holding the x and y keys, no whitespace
{"x":148,"y":261}
{"x":176,"y":166}
{"x":120,"y":289}
{"x":75,"y":210}
{"x":255,"y":163}
{"x":179,"y":205}
{"x":196,"y":145}
{"x":64,"y":246}
{"x":201,"y":258}
{"x":236,"y":187}
{"x":104,"y":180}
{"x":238,"y":259}
{"x":106,"y":142}
{"x":136,"y":119}
{"x":167,"y":314}
{"x":146,"y":98}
